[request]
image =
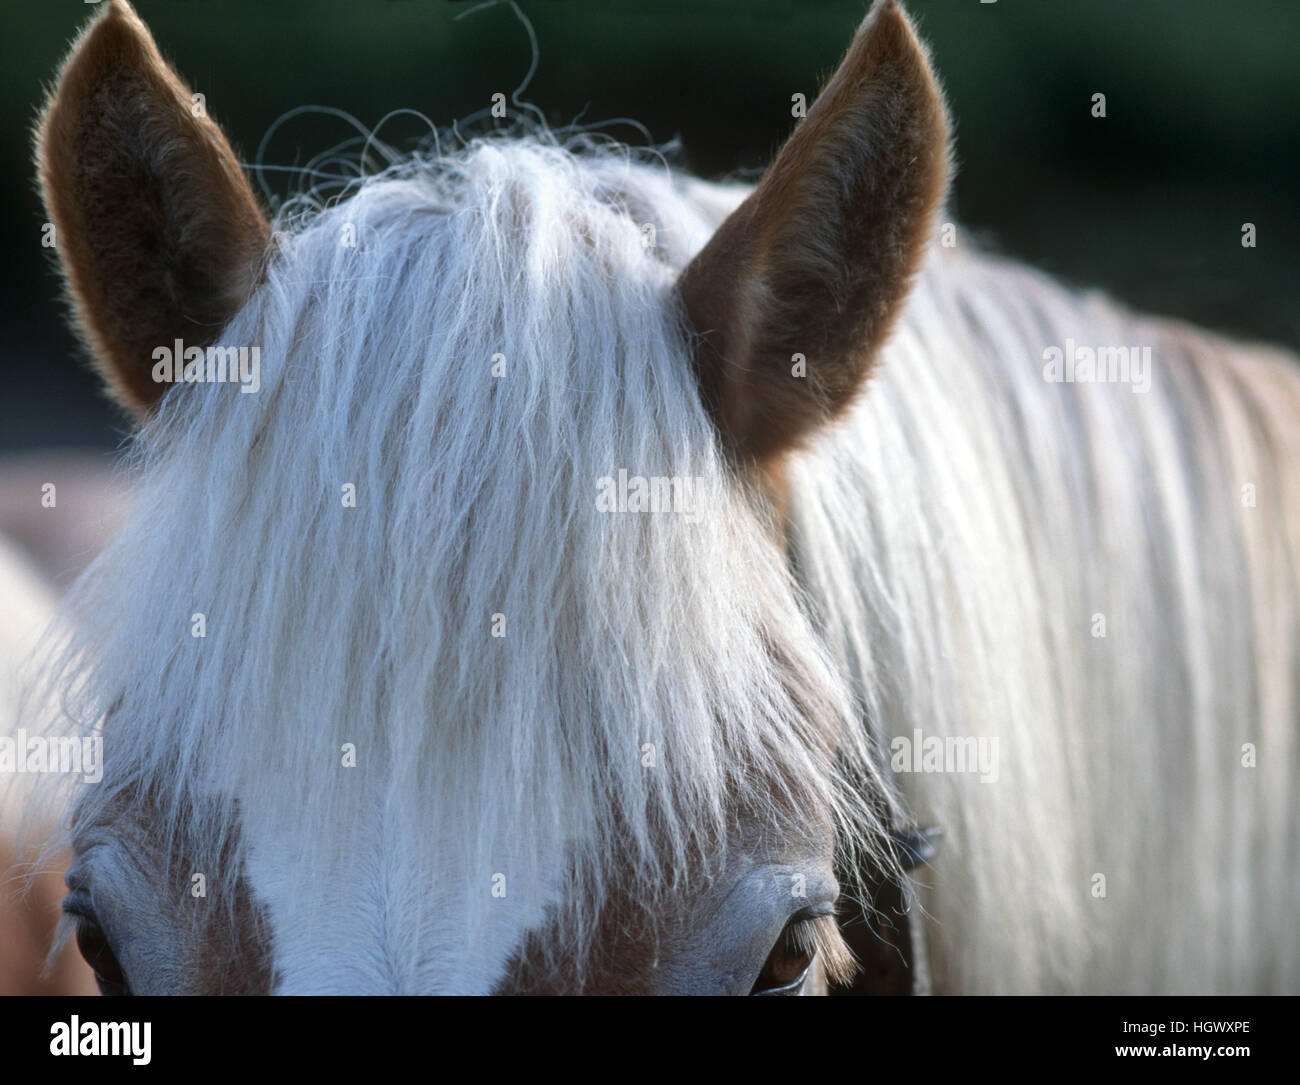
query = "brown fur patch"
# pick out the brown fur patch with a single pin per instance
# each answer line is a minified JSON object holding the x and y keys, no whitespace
{"x":215,"y":945}
{"x":819,"y":258}
{"x":641,"y":934}
{"x":158,"y":232}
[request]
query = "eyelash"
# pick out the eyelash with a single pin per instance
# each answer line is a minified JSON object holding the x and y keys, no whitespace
{"x":818,"y":937}
{"x":809,"y":937}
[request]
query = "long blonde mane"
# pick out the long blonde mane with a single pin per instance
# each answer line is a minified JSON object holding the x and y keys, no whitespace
{"x":1104,"y":582}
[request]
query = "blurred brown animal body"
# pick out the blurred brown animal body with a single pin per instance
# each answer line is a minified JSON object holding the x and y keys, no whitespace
{"x":39,"y":547}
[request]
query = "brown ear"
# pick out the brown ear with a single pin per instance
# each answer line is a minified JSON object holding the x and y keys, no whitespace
{"x":818,"y":260}
{"x":158,"y":233}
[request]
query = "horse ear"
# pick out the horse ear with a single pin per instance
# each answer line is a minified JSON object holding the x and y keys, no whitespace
{"x":158,"y":233}
{"x":818,"y":260}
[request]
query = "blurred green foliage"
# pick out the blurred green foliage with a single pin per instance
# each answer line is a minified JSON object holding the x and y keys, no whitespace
{"x":1201,"y":134}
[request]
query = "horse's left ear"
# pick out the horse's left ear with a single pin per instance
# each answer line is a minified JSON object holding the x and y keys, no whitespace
{"x":158,"y":232}
{"x":817,"y":261}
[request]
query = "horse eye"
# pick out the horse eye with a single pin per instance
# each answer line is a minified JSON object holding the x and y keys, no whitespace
{"x":96,"y":951}
{"x":787,"y":965}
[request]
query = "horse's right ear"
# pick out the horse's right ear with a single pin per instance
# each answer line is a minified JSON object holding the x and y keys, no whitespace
{"x":797,"y":290}
{"x":158,"y":233}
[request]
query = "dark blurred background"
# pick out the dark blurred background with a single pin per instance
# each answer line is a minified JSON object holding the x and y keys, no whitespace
{"x":1203,"y":101}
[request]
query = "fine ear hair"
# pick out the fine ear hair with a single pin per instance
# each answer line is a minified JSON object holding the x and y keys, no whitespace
{"x":818,"y":260}
{"x":158,"y":233}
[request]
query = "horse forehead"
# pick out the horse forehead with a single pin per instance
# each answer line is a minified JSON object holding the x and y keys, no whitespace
{"x":387,"y":911}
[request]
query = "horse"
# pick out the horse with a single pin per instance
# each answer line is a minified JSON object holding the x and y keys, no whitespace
{"x":547,"y":572}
